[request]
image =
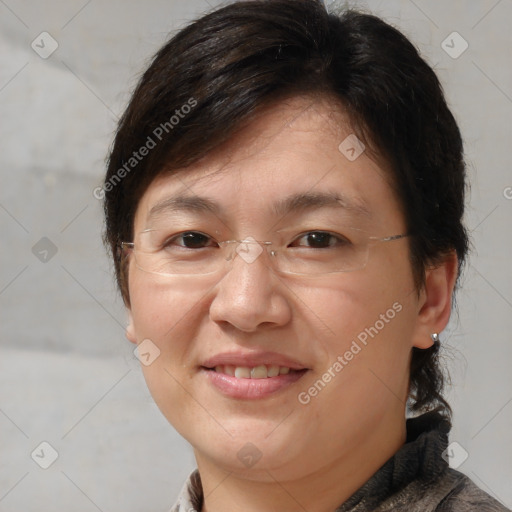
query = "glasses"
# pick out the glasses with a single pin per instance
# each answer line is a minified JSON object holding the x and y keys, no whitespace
{"x":159,"y":251}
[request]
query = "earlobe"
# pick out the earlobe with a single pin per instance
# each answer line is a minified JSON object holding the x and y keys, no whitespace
{"x":130,"y":329}
{"x":435,"y":303}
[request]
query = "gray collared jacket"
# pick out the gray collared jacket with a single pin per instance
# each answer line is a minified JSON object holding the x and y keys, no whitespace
{"x":416,"y":479}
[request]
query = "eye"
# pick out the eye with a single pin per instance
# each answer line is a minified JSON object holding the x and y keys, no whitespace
{"x":190,"y":240}
{"x":320,"y":240}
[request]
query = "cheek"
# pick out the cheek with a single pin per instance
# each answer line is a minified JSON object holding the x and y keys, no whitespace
{"x":346,"y":306}
{"x":365,"y":327}
{"x":170,"y":318}
{"x":160,"y":307}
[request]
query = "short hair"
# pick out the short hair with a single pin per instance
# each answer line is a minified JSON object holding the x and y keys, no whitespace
{"x":217,"y":73}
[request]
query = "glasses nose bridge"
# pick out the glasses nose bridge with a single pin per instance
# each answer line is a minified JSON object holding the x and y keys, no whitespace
{"x":248,"y":249}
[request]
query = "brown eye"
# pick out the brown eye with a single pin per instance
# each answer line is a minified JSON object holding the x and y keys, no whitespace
{"x":191,"y":240}
{"x":319,"y":240}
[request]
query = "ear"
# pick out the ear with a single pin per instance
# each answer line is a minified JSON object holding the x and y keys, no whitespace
{"x":130,"y":329}
{"x":435,"y":302}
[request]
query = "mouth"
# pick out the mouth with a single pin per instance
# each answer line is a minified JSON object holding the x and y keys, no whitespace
{"x":245,"y":375}
{"x":252,"y":382}
{"x":261,"y":371}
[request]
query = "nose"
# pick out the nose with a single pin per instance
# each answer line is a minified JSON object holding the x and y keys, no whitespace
{"x":250,"y":296}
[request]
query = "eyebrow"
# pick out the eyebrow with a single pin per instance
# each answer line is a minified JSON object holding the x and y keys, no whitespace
{"x":190,"y":203}
{"x":313,"y":200}
{"x":295,"y":203}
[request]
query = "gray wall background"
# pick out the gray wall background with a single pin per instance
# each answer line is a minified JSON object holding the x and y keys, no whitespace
{"x":68,"y":376}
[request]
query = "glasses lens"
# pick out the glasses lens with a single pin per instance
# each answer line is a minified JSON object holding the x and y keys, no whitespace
{"x":162,"y":252}
{"x":344,"y":257}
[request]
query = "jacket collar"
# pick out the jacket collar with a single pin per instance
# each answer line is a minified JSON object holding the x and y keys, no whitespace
{"x":419,"y":459}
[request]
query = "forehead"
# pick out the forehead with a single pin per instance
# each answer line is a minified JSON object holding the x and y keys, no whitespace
{"x":288,"y":151}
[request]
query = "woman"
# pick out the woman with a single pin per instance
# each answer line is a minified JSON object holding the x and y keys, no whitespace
{"x":284,"y":204}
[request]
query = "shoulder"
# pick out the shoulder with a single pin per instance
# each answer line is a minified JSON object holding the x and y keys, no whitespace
{"x":465,"y":496}
{"x":190,"y":498}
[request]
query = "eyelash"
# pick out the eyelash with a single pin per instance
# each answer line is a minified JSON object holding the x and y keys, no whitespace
{"x":170,"y":241}
{"x":340,"y":239}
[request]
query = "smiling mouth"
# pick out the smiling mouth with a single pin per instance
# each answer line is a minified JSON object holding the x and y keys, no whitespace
{"x":261,"y":371}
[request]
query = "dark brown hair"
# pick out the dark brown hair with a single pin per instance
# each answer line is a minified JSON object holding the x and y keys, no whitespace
{"x":218,"y":72}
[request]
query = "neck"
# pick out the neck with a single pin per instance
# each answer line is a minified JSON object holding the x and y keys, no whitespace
{"x":322,"y":490}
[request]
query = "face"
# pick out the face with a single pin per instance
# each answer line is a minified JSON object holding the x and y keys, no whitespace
{"x":332,"y":349}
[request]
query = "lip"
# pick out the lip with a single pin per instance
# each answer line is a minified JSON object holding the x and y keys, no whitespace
{"x":252,"y":359}
{"x":250,"y":389}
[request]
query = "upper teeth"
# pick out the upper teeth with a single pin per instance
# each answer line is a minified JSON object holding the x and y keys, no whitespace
{"x":257,"y":372}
